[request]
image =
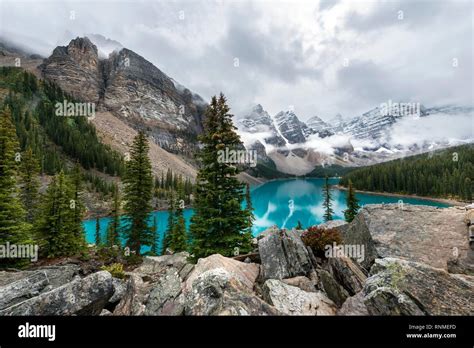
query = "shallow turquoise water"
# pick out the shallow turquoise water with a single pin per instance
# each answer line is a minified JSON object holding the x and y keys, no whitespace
{"x":282,"y":203}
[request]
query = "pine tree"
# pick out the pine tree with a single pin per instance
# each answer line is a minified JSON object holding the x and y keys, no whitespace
{"x":178,"y":238}
{"x":29,"y":171}
{"x":113,"y":229}
{"x":249,"y":207}
{"x":154,"y":245}
{"x":76,"y":203}
{"x":97,"y":232}
{"x":138,"y":188}
{"x":327,"y":201}
{"x":467,"y":185}
{"x":219,"y":224}
{"x":171,"y":222}
{"x":299,"y":226}
{"x":352,"y":204}
{"x":56,"y":223}
{"x":13,"y":228}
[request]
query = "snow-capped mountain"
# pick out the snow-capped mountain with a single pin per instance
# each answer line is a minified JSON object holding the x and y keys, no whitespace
{"x":291,"y":128}
{"x":375,"y":123}
{"x":378,"y":135}
{"x":318,"y":126}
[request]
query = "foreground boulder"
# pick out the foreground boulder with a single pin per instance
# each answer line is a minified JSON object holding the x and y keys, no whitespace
{"x":86,"y":296}
{"x":354,"y":306}
{"x":347,"y":273}
{"x":412,"y":232}
{"x":291,"y":300}
{"x":400,"y":287}
{"x":16,"y":287}
{"x":245,"y":273}
{"x":219,"y":292}
{"x":283,"y":255}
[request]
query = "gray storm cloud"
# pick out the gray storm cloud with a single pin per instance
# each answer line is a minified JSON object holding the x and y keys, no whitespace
{"x":289,"y":53}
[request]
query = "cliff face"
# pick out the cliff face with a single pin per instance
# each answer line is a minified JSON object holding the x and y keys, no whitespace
{"x":131,"y":88}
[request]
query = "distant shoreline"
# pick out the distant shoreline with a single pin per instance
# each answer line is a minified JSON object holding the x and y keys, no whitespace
{"x":433,"y":199}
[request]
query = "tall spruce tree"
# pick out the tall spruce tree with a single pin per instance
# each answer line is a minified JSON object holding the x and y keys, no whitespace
{"x":178,"y":237}
{"x":327,"y":204}
{"x":138,"y":189}
{"x":154,"y":245}
{"x":468,"y":190}
{"x":29,"y":183}
{"x":98,"y":240}
{"x":113,"y":229}
{"x":249,"y":207}
{"x":171,"y":222}
{"x":76,"y":203}
{"x":13,"y":227}
{"x":56,"y":223}
{"x":219,"y":224}
{"x":352,"y":204}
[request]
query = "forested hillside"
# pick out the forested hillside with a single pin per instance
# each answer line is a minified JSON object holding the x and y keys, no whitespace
{"x":445,"y":173}
{"x":32,"y":104}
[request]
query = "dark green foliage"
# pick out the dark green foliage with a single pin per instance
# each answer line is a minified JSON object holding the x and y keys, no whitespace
{"x":318,"y":238}
{"x":352,"y":204}
{"x":299,"y":226}
{"x":154,"y":246}
{"x":249,"y":207}
{"x":29,"y":183}
{"x":13,"y":228}
{"x":171,"y":222}
{"x":439,"y":174}
{"x":327,"y":204}
{"x":113,"y":229}
{"x":177,"y":238}
{"x":98,"y":240}
{"x":48,"y":134}
{"x":138,"y":188}
{"x":57,"y":224}
{"x":219,"y":224}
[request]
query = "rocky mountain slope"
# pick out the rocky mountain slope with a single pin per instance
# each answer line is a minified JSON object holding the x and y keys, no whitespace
{"x":131,"y":88}
{"x":402,"y":274}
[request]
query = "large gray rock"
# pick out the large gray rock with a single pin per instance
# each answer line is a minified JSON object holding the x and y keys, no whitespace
{"x":333,"y":289}
{"x":339,"y":225}
{"x":291,"y":300}
{"x":354,"y":306}
{"x":412,"y":232}
{"x":156,"y":264}
{"x":86,"y":296}
{"x":163,"y":297}
{"x":283,"y":255}
{"x":400,"y":287}
{"x":245,"y":273}
{"x":218,"y":292}
{"x":120,"y":286}
{"x":22,"y":289}
{"x":347,"y":273}
{"x":132,"y":302}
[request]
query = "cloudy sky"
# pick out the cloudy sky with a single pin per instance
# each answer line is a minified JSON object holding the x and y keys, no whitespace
{"x":318,"y":57}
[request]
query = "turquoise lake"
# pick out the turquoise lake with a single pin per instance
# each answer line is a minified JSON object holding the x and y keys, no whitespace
{"x":282,"y":203}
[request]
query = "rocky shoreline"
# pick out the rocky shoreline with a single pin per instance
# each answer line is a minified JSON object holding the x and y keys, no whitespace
{"x":409,"y":268}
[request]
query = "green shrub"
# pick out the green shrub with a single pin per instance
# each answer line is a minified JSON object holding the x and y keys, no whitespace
{"x":317,"y":239}
{"x":116,"y":269}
